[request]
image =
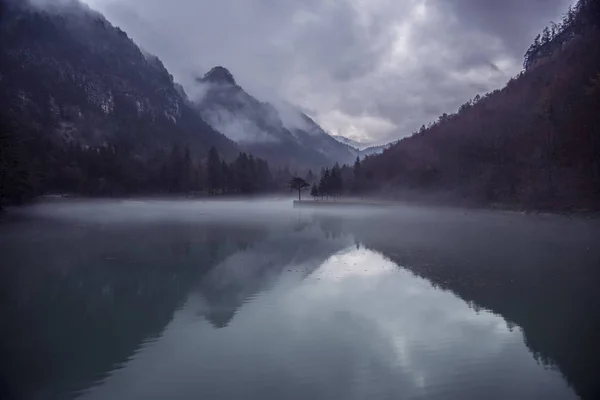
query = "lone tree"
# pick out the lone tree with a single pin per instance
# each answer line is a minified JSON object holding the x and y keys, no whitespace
{"x":298,"y":184}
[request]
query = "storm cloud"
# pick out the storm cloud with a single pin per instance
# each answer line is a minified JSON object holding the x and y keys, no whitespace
{"x":371,"y":70}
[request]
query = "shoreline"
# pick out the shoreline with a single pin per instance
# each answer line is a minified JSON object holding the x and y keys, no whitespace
{"x":502,"y":208}
{"x":330,"y":203}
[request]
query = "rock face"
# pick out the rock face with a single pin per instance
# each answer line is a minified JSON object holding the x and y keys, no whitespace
{"x":67,"y":73}
{"x":278,"y":132}
{"x":220,"y":75}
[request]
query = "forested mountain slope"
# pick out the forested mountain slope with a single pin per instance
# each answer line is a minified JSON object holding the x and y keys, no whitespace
{"x":535,"y":143}
{"x":75,"y":88}
{"x":67,"y":71}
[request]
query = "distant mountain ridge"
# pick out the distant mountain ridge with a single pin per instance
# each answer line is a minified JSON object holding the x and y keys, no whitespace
{"x":373,"y":150}
{"x":282,"y":136}
{"x":361,"y":149}
{"x":350,"y":142}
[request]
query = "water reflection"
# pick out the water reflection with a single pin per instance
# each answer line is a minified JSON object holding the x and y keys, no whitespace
{"x":357,"y":327}
{"x":79,"y":301}
{"x":538,"y":272}
{"x":414,"y":305}
{"x":295,"y":247}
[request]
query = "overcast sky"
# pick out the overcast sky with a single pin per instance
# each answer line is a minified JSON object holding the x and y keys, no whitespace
{"x":372,"y":70}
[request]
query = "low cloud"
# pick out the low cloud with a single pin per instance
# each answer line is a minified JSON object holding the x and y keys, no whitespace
{"x":372,"y":70}
{"x":239,"y":125}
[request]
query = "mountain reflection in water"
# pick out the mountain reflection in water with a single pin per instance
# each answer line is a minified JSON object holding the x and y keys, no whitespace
{"x":188,"y":300}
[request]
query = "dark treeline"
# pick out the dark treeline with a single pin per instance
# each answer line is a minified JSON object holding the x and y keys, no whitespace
{"x":331,"y":183}
{"x":31,"y":166}
{"x":339,"y":180}
{"x":533,"y":144}
{"x":245,"y":175}
{"x":84,"y":110}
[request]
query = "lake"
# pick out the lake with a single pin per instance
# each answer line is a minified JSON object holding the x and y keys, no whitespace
{"x":178,"y":299}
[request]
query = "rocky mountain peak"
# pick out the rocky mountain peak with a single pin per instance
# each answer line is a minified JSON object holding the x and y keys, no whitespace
{"x":219,"y":75}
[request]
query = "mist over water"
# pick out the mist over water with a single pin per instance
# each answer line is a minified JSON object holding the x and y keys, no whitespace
{"x":255,"y":299}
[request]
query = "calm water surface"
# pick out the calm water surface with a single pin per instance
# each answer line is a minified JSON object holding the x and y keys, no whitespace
{"x":256,"y":300}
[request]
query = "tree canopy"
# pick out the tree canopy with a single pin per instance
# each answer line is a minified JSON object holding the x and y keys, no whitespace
{"x":299,"y":184}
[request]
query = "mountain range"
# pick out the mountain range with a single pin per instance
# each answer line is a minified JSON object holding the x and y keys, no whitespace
{"x":84,"y":109}
{"x":281,"y":134}
{"x":68,"y":75}
{"x":362,"y":149}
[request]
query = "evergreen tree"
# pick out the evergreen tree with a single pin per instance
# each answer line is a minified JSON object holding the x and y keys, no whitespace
{"x":175,"y":168}
{"x":532,"y":52}
{"x":252,"y":176}
{"x":227,"y":182}
{"x":357,"y":175}
{"x":554,"y":27}
{"x":569,"y":17}
{"x":310,"y":177}
{"x":283,"y":177}
{"x":324,"y":183}
{"x":335,"y":183}
{"x":197,"y":177}
{"x":213,"y":170}
{"x":186,"y":171}
{"x":16,"y":178}
{"x":356,"y":169}
{"x":245,"y":174}
{"x":546,"y":36}
{"x":263,"y":175}
{"x":314,"y":191}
